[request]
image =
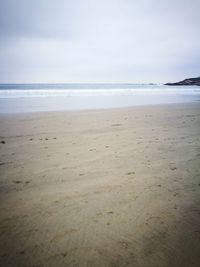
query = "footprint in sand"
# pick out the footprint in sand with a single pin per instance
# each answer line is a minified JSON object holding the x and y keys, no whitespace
{"x":124,"y":244}
{"x":173,"y":168}
{"x":129,"y":173}
{"x":22,"y":252}
{"x":20,"y":182}
{"x":109,"y":212}
{"x":17,"y":181}
{"x":4,"y":163}
{"x":64,"y":254}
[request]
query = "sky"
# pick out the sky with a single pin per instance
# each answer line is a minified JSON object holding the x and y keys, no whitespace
{"x":97,"y":41}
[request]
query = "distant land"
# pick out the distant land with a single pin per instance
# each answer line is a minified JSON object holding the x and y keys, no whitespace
{"x":190,"y":81}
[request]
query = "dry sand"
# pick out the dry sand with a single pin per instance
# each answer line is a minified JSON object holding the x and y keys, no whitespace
{"x":101,"y":188}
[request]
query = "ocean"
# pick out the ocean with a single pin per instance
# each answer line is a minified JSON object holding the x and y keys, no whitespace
{"x":17,"y":98}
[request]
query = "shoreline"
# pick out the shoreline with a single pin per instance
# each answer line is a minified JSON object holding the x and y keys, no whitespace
{"x":18,"y":101}
{"x":110,"y":109}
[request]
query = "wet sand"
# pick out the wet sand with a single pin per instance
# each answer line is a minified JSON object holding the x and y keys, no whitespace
{"x":101,"y":188}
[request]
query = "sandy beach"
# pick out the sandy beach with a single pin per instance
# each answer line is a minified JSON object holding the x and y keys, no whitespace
{"x":116,"y":187}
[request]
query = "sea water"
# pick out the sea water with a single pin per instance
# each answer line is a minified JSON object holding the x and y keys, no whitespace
{"x":16,"y":98}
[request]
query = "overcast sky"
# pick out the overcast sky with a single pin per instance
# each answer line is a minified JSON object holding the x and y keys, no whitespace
{"x":99,"y":40}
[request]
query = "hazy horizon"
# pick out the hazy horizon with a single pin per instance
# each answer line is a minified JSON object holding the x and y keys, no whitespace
{"x":119,"y":41}
{"x":95,"y":83}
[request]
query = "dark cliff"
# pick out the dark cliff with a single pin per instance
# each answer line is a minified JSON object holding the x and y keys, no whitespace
{"x":190,"y":81}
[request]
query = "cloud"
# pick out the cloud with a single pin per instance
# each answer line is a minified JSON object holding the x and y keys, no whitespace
{"x":99,"y":40}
